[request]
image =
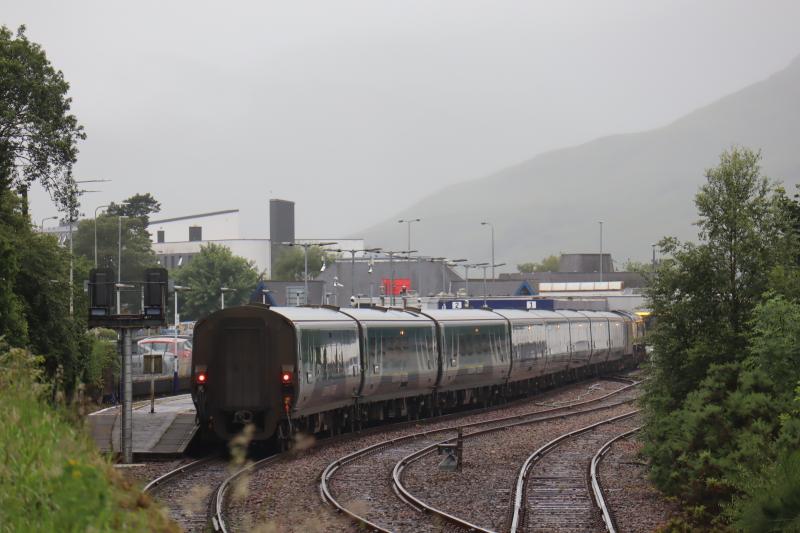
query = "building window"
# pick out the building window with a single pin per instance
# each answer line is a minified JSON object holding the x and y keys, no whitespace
{"x":160,"y":235}
{"x":195,"y":233}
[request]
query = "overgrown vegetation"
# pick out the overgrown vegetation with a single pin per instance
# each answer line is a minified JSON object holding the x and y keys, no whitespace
{"x":51,"y":477}
{"x":723,"y":419}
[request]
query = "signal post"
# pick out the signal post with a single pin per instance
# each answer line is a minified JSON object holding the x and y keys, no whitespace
{"x":103,"y":313}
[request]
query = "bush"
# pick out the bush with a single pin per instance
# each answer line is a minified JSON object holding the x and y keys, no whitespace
{"x":51,"y":477}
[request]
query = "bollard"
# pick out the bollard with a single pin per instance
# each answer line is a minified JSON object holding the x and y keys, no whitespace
{"x":152,"y":393}
{"x":459,"y":449}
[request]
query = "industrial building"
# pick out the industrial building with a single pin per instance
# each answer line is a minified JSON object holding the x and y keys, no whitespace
{"x":177,"y":240}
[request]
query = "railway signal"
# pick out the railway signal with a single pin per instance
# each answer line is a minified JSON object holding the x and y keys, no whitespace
{"x":152,"y":314}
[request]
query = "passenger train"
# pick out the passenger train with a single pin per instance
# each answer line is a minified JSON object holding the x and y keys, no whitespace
{"x":314,"y":369}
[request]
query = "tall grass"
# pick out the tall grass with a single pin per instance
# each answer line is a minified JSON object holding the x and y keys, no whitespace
{"x":51,"y":476}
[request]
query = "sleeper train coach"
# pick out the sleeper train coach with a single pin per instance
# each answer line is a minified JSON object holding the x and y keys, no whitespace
{"x":312,"y":369}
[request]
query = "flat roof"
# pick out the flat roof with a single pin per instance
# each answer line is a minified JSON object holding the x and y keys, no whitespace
{"x":187,"y":217}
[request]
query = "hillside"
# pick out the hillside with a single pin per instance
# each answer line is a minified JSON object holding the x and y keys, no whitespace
{"x":641,"y":185}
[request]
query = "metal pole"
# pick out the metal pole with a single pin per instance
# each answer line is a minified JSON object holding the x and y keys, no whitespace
{"x":119,"y":261}
{"x":175,"y":362}
{"x":95,"y":232}
{"x":601,"y":250}
{"x":305,"y":273}
{"x":71,"y":269}
{"x":222,"y":299}
{"x":126,"y":438}
{"x":391,"y":288}
{"x":444,"y":282}
{"x":466,"y":280}
{"x":484,"y":285}
{"x":352,"y":275}
{"x":493,"y":263}
{"x":654,"y":258}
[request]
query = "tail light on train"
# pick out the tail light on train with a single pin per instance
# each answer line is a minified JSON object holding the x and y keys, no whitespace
{"x":287,"y":388}
{"x":201,"y":378}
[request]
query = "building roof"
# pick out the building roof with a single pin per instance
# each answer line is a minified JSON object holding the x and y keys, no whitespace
{"x":189,"y":217}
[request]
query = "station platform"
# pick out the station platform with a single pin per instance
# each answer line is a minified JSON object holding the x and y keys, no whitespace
{"x":167,"y":432}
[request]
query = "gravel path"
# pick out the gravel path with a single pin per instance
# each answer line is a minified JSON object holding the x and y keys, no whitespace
{"x":635,"y":504}
{"x":482,"y":492}
{"x":285,"y":496}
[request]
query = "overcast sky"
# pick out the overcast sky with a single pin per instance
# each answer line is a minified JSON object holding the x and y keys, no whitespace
{"x":356,"y":109}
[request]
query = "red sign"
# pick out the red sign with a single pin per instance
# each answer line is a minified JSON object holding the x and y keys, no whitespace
{"x":401,"y":285}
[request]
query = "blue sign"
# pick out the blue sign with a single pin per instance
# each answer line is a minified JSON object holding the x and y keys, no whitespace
{"x":498,"y":303}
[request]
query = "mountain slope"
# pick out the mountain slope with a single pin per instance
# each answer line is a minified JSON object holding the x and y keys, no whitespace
{"x":641,"y":185}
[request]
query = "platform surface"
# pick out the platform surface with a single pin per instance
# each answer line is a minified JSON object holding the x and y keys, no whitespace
{"x":168,"y":431}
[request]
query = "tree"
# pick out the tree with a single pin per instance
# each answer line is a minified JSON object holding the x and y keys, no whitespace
{"x":137,"y":250}
{"x":290,"y":265}
{"x":38,"y":135}
{"x":548,"y":264}
{"x":214,"y":267}
{"x":138,"y":208}
{"x":637,"y":266}
{"x":711,"y":408}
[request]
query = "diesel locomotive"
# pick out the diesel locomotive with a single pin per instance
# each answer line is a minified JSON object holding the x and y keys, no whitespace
{"x":313,"y":369}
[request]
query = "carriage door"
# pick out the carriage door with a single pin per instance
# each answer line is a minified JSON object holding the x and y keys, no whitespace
{"x":244,"y":357}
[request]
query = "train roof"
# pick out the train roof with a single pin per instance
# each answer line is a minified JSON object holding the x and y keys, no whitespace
{"x":312,"y":314}
{"x":519,"y":314}
{"x":367,"y":314}
{"x":454,"y":315}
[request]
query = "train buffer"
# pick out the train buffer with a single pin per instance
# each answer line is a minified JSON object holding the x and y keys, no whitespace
{"x":165,"y":433}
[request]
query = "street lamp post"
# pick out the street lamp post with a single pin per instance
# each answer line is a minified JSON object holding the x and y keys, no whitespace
{"x":305,"y":246}
{"x":353,"y":267}
{"x":408,"y":222}
{"x":222,"y":291}
{"x":445,"y":261}
{"x":95,"y":232}
{"x":391,"y":254}
{"x":601,"y":250}
{"x":485,"y":266}
{"x":119,"y":260}
{"x":484,"y":223}
{"x":45,"y":219}
{"x":466,"y":274}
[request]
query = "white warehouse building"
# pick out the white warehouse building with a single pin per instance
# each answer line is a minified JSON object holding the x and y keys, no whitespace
{"x":177,"y":240}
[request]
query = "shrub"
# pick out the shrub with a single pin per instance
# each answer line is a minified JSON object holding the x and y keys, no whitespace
{"x":51,"y":477}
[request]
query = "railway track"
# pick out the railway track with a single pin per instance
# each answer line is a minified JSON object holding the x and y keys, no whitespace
{"x":363,"y":484}
{"x":187,"y":491}
{"x":597,"y":489}
{"x":552,"y":492}
{"x":197,"y":494}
